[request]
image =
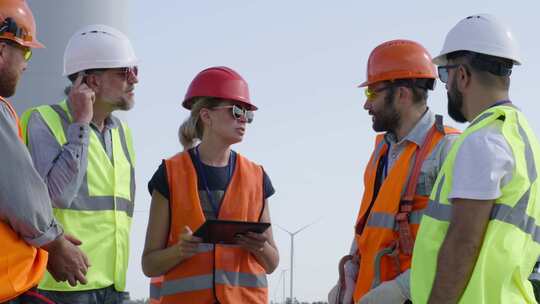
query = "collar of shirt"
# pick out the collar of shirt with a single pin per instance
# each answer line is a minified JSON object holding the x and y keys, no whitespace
{"x":109,"y":123}
{"x":417,"y":134}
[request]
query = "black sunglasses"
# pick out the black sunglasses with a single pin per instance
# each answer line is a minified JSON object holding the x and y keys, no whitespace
{"x":443,"y":71}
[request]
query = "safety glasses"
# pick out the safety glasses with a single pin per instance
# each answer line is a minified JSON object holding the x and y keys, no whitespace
{"x":124,"y":73}
{"x":443,"y":71}
{"x":372,"y":93}
{"x":127,"y":72}
{"x":238,"y":112}
{"x":27,"y":52}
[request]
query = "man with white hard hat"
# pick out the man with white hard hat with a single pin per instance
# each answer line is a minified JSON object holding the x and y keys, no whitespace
{"x":479,"y":237}
{"x":85,"y":155}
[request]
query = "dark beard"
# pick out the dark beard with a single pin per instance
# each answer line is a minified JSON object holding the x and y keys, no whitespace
{"x":388,"y":120}
{"x":455,"y":104}
{"x":8,"y":83}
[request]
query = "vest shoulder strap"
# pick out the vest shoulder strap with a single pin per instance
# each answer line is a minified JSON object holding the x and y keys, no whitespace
{"x":406,"y":241}
{"x":424,"y":150}
{"x":53,"y":116}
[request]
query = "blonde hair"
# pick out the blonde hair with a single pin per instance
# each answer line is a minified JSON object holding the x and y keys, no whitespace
{"x":191,"y":130}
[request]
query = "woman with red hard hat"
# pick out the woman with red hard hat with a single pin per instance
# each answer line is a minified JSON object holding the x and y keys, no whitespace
{"x":207,"y":181}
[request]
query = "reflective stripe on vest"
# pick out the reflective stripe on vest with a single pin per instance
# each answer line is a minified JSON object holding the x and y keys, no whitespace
{"x":201,"y":282}
{"x":22,"y":266}
{"x":511,"y":242}
{"x":386,"y":220}
{"x":155,"y":289}
{"x":377,"y":238}
{"x":100,"y":214}
{"x":228,"y":274}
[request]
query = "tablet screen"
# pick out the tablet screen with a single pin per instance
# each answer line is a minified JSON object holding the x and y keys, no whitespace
{"x":224,"y":232}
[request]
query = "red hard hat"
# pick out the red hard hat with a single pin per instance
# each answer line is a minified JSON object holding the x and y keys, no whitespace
{"x":399,"y":59}
{"x":17,"y":23}
{"x":220,"y":82}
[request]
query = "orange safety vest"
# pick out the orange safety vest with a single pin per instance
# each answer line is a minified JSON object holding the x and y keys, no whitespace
{"x":387,"y":224}
{"x":218,"y":273}
{"x":21,"y":265}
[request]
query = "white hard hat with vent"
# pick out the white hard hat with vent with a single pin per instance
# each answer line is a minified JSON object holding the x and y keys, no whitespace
{"x":98,"y":47}
{"x":484,"y":34}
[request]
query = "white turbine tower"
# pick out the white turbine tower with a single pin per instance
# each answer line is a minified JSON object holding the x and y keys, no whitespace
{"x":292,"y":234}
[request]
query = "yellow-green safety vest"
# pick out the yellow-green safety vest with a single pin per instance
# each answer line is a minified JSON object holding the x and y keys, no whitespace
{"x":511,"y":243}
{"x":100,"y":215}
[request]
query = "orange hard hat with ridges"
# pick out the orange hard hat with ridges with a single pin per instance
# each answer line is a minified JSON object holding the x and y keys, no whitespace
{"x":220,"y":82}
{"x":17,"y":23}
{"x":399,"y":59}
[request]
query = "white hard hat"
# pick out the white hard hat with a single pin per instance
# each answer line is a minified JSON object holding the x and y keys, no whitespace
{"x":482,"y":34}
{"x":98,"y":47}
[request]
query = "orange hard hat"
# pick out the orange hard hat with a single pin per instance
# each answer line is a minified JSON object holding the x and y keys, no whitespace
{"x":399,"y":59}
{"x":220,"y":82}
{"x":17,"y":23}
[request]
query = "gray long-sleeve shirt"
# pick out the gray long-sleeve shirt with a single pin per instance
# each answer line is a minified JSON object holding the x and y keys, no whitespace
{"x":63,"y":167}
{"x":24,"y":200}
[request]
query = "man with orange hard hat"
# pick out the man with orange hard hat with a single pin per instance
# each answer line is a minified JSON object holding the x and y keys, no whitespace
{"x":31,"y":238}
{"x":399,"y":175}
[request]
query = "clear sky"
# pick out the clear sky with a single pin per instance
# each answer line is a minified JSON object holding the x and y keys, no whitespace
{"x":302,"y":60}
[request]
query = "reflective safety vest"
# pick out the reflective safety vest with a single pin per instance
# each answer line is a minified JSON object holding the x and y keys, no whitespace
{"x":388,"y":219}
{"x":220,"y":273}
{"x":101,"y":212}
{"x":21,"y":265}
{"x":511,"y":242}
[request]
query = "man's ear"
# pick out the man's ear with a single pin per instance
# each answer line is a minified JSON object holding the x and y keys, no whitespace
{"x":463,"y":77}
{"x":404,"y":94}
{"x":92,"y":81}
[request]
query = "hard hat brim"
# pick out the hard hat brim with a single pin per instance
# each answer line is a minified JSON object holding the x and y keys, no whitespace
{"x":363,"y":84}
{"x":441,"y":59}
{"x":34,"y":44}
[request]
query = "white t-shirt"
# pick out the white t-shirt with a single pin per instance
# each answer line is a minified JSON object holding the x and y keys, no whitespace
{"x":483,"y":165}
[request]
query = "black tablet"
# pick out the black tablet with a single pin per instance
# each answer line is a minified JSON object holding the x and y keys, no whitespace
{"x":224,"y":232}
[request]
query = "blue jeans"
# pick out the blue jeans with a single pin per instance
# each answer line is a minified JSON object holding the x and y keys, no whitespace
{"x":107,"y":295}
